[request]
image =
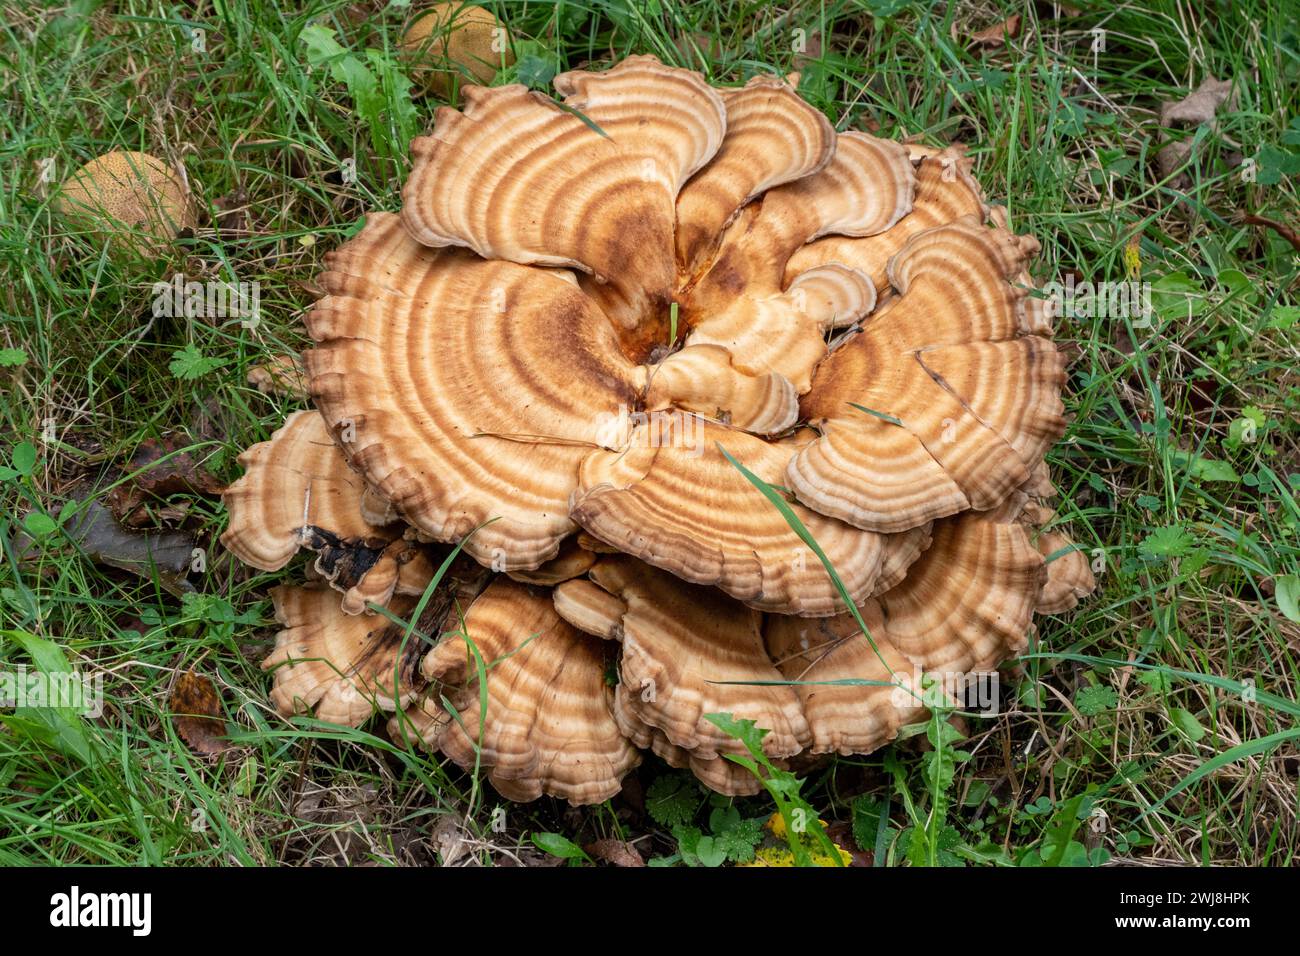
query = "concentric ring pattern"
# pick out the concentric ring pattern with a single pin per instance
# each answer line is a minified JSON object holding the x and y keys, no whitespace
{"x":587,"y":312}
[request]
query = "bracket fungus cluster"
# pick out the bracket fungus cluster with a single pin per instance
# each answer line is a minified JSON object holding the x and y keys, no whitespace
{"x":586,"y":315}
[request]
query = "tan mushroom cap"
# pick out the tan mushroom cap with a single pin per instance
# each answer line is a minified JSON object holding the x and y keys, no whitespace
{"x":126,"y":189}
{"x":772,"y":137}
{"x":340,"y":666}
{"x":845,"y":718}
{"x":717,"y":773}
{"x":415,"y":569}
{"x":464,"y":390}
{"x":785,"y":334}
{"x":967,"y":602}
{"x":1069,"y":573}
{"x":297,"y":491}
{"x":1040,"y":483}
{"x":685,"y":508}
{"x":866,"y":187}
{"x":706,"y":379}
{"x":901,"y":552}
{"x":688,"y":651}
{"x":959,"y":402}
{"x":945,"y":192}
{"x":548,"y":726}
{"x":421,"y":724}
{"x":544,"y":188}
{"x":572,"y":561}
{"x":376,"y":509}
{"x":965,"y":606}
{"x":667,"y":114}
{"x":590,"y":608}
{"x":452,"y":40}
{"x":595,"y":545}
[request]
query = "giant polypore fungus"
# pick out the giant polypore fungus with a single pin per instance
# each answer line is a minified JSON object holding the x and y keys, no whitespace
{"x":588,"y":317}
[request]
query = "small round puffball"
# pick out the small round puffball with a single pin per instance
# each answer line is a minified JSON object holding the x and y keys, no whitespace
{"x":453,"y":40}
{"x":123,"y":193}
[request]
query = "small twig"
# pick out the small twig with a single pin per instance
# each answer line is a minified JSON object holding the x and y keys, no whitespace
{"x":1283,"y":230}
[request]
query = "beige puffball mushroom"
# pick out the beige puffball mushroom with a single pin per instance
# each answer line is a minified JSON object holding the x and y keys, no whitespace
{"x":130,"y":198}
{"x":453,"y":41}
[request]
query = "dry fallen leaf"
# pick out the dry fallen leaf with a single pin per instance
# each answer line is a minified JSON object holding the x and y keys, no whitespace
{"x":90,"y":525}
{"x":162,"y":472}
{"x":811,"y":50}
{"x":450,"y":839}
{"x":999,"y":33}
{"x":1171,"y":158}
{"x":1198,"y":106}
{"x":615,"y":853}
{"x":1196,"y":109}
{"x":196,"y":711}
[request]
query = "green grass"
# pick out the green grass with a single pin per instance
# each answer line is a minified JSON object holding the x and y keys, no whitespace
{"x":1121,"y":706}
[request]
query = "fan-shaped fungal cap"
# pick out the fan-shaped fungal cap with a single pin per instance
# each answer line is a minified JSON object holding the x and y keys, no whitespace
{"x":717,"y":773}
{"x":516,"y":177}
{"x":964,"y":606}
{"x":685,"y":508}
{"x":688,"y":651}
{"x":666,"y":114}
{"x":967,"y":602}
{"x":422,"y":723}
{"x":772,"y":137}
{"x":941,"y":403}
{"x":464,"y":390}
{"x":548,"y":727}
{"x":126,"y":190}
{"x":785,"y":334}
{"x":572,"y":561}
{"x":945,"y":192}
{"x":342,"y":667}
{"x":1069,"y":573}
{"x":454,"y":41}
{"x":901,"y":552}
{"x":866,"y":187}
{"x":590,"y":608}
{"x":852,"y":688}
{"x":298,"y":492}
{"x":705,"y":379}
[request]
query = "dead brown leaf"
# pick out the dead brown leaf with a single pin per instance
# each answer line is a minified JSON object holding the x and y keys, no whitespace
{"x":160,"y":476}
{"x":1172,"y":158}
{"x":195,"y":706}
{"x":164,"y":554}
{"x":615,"y":853}
{"x":1198,"y":108}
{"x":999,"y":33}
{"x":810,"y":50}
